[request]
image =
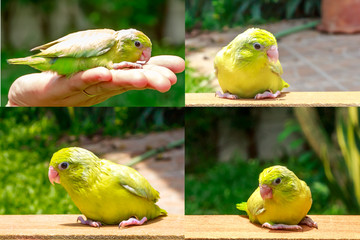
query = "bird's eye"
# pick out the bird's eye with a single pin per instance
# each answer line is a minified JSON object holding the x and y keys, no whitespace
{"x":63,"y":165}
{"x":137,"y":44}
{"x":257,"y":46}
{"x":277,"y":181}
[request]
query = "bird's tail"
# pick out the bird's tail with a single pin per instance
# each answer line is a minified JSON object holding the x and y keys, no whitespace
{"x":163,"y":212}
{"x":242,"y":206}
{"x":285,"y":84}
{"x":27,"y":60}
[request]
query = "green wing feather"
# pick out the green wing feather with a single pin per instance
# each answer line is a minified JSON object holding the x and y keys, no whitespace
{"x":132,"y":181}
{"x":276,"y":68}
{"x":88,"y":43}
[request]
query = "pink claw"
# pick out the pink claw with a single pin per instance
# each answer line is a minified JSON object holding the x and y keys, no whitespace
{"x":282,"y":226}
{"x":309,"y":222}
{"x":89,"y":222}
{"x":267,"y":94}
{"x":226,"y":95}
{"x":123,"y":65}
{"x":132,"y":221}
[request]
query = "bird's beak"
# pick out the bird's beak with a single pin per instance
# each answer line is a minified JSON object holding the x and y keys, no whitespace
{"x":53,"y":175}
{"x":146,"y":54}
{"x":265,"y":191}
{"x":273,"y":54}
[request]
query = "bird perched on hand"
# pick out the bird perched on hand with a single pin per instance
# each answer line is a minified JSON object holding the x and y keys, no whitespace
{"x":91,"y":48}
{"x":105,"y":192}
{"x":249,"y":67}
{"x":281,"y":201}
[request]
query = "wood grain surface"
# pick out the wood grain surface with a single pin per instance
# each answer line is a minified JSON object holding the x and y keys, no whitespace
{"x":66,"y":227}
{"x":286,"y":99}
{"x":239,"y":227}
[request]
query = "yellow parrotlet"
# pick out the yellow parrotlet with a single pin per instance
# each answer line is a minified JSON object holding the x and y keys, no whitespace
{"x":91,"y":48}
{"x":249,"y":67}
{"x":281,"y":201}
{"x":105,"y":192}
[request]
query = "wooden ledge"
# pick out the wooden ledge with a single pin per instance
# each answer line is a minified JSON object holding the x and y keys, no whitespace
{"x":287,"y":99}
{"x":239,"y":227}
{"x":65,"y":227}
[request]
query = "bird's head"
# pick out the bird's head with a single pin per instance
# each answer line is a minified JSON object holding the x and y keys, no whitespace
{"x":256,"y":43}
{"x":277,"y":182}
{"x":135,"y":44}
{"x":71,"y":165}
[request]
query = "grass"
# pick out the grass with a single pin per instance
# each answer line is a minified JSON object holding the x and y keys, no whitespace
{"x":196,"y":83}
{"x":26,"y":149}
{"x":174,"y":97}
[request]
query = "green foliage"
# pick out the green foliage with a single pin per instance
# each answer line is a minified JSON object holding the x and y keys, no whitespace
{"x":217,"y":189}
{"x":141,"y":14}
{"x":216,"y":14}
{"x":26,"y":147}
{"x":29,"y":137}
{"x":196,"y":83}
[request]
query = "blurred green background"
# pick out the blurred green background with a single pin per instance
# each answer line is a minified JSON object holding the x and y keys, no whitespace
{"x":30,"y":23}
{"x":227,"y":148}
{"x":29,"y":137}
{"x":219,"y":14}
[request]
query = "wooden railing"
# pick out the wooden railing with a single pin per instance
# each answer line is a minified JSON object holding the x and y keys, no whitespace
{"x":192,"y":227}
{"x":238,"y":227}
{"x":65,"y":227}
{"x":287,"y":99}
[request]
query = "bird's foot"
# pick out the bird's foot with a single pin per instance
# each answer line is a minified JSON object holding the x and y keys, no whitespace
{"x":89,"y":222}
{"x":122,"y":65}
{"x":309,"y":222}
{"x":267,"y":94}
{"x":132,"y":221}
{"x":226,"y":95}
{"x":282,"y":226}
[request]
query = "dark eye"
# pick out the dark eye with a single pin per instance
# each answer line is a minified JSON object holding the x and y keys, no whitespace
{"x":63,"y":165}
{"x":257,"y":46}
{"x":137,"y":44}
{"x":277,"y":181}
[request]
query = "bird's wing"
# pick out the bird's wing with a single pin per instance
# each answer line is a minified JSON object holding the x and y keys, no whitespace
{"x":255,"y":203}
{"x":257,"y":208}
{"x":88,"y":43}
{"x":135,"y":183}
{"x":276,"y":68}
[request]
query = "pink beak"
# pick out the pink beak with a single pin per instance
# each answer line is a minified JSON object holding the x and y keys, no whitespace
{"x":265,"y":191}
{"x":53,"y":175}
{"x":273,"y":53}
{"x":146,"y":54}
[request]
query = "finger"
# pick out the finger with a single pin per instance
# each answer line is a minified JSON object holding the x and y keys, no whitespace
{"x":122,"y":80}
{"x":174,"y":63}
{"x":84,"y":79}
{"x":167,"y":73}
{"x":157,"y":81}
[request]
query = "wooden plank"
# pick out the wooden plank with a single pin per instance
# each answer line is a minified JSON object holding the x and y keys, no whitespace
{"x":65,"y":227}
{"x":239,"y":227}
{"x":286,"y":99}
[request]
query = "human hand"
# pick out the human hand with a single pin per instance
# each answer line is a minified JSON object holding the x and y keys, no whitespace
{"x":95,"y":85}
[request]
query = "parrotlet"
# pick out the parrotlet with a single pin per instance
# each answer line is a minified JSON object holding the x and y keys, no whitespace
{"x":281,"y":201}
{"x":249,"y":67}
{"x":83,"y":50}
{"x":105,"y":192}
